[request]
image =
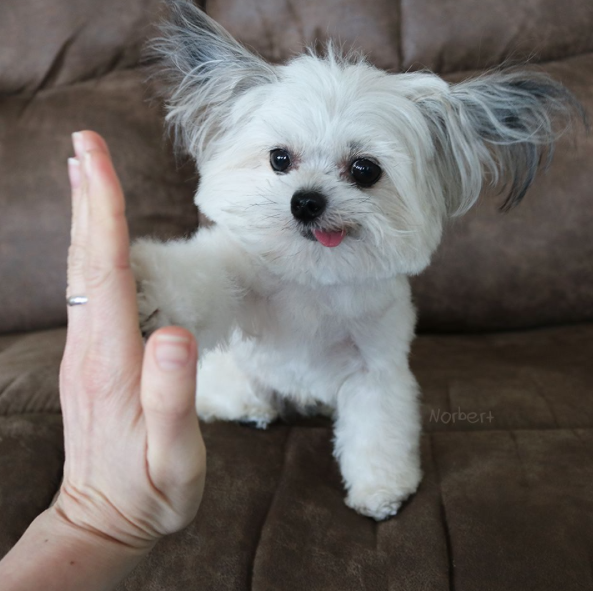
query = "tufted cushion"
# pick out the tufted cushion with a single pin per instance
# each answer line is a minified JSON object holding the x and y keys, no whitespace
{"x":35,"y":197}
{"x":66,"y":67}
{"x":31,"y":460}
{"x":452,"y":35}
{"x":539,"y":379}
{"x":505,"y":503}
{"x":534,"y":265}
{"x":45,"y":44}
{"x":501,"y":488}
{"x":279,"y":30}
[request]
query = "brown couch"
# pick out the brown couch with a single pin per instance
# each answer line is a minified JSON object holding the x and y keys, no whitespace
{"x":506,"y":313}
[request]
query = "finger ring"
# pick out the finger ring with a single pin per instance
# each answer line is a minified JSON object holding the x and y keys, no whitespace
{"x":77,"y":300}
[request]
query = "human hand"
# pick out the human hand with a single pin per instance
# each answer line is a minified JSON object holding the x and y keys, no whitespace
{"x":135,"y":459}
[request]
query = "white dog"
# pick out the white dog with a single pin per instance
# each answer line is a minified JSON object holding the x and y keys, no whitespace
{"x":329,"y":182}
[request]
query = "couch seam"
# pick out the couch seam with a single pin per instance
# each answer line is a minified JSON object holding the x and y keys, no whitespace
{"x":268,"y":510}
{"x":443,"y":517}
{"x":400,"y":39}
{"x":415,"y":66}
{"x":139,"y":67}
{"x":32,"y":95}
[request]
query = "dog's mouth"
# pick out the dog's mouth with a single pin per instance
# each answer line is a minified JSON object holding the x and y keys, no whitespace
{"x":328,"y":238}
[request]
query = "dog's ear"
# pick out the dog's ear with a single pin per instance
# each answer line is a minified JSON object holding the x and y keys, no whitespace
{"x":205,"y":70}
{"x":498,"y":128}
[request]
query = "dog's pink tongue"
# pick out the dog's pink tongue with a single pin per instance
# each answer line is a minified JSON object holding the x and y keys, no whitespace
{"x":329,"y":238}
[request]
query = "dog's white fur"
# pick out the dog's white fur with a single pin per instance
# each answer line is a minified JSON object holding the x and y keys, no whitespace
{"x":277,"y":314}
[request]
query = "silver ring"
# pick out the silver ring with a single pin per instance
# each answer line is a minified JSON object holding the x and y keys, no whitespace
{"x":77,"y":300}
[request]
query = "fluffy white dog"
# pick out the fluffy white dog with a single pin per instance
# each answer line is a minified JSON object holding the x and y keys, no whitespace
{"x":328,"y":182}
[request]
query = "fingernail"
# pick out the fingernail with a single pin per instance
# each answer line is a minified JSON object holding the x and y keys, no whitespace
{"x":74,"y":172}
{"x":78,"y":143}
{"x":171,"y":352}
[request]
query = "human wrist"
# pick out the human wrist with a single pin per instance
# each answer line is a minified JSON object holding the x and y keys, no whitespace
{"x":56,"y":519}
{"x":74,"y":557}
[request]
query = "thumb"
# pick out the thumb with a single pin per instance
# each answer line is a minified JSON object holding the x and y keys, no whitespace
{"x":176,"y":456}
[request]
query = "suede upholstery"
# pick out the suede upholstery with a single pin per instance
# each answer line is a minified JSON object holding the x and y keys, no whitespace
{"x":507,"y":498}
{"x":505,"y":502}
{"x":530,"y":268}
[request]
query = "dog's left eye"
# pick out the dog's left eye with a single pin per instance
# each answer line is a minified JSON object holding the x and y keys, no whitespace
{"x":365,"y":172}
{"x":280,"y":160}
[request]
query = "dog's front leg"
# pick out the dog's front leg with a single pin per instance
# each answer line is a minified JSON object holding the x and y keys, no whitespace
{"x":189,"y":283}
{"x":377,"y":430}
{"x":377,"y":440}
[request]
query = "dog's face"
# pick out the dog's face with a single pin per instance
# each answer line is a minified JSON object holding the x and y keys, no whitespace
{"x":329,"y":170}
{"x":322,"y":175}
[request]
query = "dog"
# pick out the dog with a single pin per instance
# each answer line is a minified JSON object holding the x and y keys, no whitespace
{"x":329,"y":182}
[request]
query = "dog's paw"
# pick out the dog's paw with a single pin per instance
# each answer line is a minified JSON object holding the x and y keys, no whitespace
{"x":378,"y":504}
{"x":254,"y":413}
{"x":149,"y":315}
{"x":381,"y":501}
{"x":148,"y":308}
{"x":261,"y":423}
{"x":225,"y":393}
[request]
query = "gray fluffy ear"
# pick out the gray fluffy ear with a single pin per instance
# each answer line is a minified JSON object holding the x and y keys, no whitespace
{"x":206,"y":69}
{"x":500,"y":127}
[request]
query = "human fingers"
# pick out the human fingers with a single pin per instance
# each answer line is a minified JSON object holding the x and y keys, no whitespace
{"x":78,"y":318}
{"x":77,"y":251}
{"x":109,"y":280}
{"x":176,"y":453}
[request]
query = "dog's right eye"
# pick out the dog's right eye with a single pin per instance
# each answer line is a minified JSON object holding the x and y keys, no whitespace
{"x":280,"y":160}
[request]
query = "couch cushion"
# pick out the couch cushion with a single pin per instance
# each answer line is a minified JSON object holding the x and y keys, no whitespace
{"x":517,"y":507}
{"x":505,"y":503}
{"x":29,"y":368}
{"x":452,"y":35}
{"x":31,"y":459}
{"x":45,"y":44}
{"x":538,"y":379}
{"x":34,"y":197}
{"x":280,"y":30}
{"x":503,"y":511}
{"x":532,"y":266}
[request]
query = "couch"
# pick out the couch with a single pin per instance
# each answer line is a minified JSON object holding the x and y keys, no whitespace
{"x":504,"y":354}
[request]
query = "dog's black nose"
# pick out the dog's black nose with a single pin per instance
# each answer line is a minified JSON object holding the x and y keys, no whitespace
{"x":307,"y":205}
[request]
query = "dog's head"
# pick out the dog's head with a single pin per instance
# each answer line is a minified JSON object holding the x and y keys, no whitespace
{"x":329,"y":170}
